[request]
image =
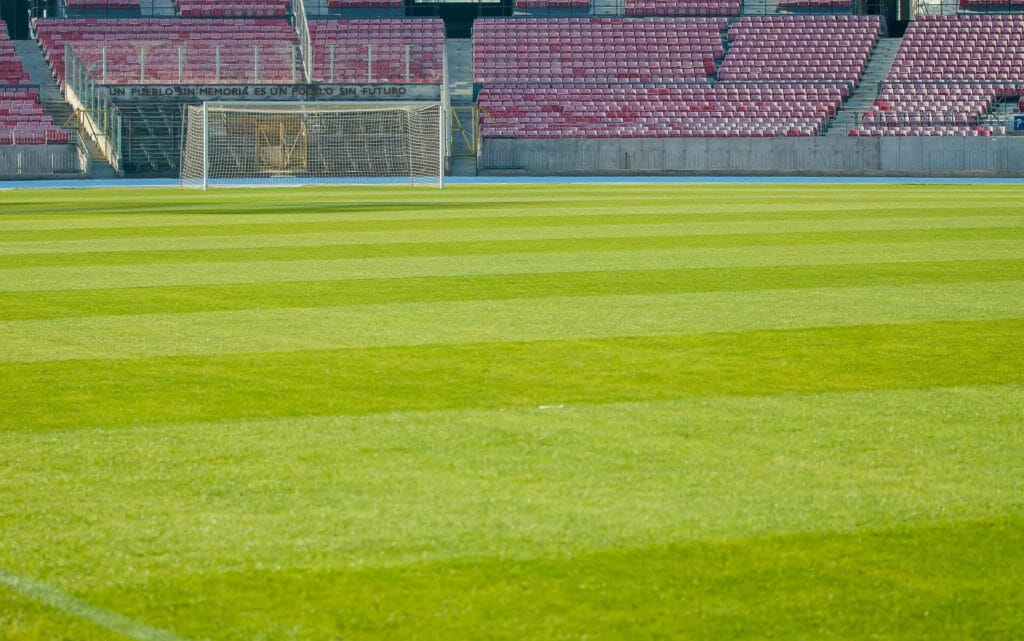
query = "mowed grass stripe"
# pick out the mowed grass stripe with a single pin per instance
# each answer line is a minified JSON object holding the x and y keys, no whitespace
{"x":127,"y":392}
{"x":105,"y":277}
{"x":173,"y":243}
{"x":953,"y":579}
{"x":815,"y":495}
{"x":28,"y":210}
{"x":496,"y":247}
{"x":573,"y":477}
{"x":437,"y":323}
{"x":200,"y":298}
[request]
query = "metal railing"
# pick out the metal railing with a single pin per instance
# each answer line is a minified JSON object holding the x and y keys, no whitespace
{"x":99,"y":118}
{"x":298,"y":8}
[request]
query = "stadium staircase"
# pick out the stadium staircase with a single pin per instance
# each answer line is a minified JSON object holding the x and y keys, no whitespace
{"x":157,"y":8}
{"x":460,"y":70}
{"x":459,"y":52}
{"x":316,"y":8}
{"x":607,"y":7}
{"x":759,"y":7}
{"x":875,"y":72}
{"x":52,"y":99}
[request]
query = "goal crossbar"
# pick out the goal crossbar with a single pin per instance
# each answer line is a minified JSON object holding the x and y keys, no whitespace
{"x":258,"y":143}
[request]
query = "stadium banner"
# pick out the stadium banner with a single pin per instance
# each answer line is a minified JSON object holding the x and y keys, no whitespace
{"x":302,"y":91}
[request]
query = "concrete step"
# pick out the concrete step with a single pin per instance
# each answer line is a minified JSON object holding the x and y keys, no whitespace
{"x":759,"y":7}
{"x":882,"y":57}
{"x":459,"y":52}
{"x":607,"y":7}
{"x":157,"y":8}
{"x":462,"y":166}
{"x":38,"y":70}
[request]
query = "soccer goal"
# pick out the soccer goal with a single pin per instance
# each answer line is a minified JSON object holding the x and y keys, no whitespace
{"x":257,"y":143}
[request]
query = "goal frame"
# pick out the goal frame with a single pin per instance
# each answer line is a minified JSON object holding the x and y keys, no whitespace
{"x":296,"y":108}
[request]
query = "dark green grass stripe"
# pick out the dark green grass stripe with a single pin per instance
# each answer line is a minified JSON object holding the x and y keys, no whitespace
{"x":27,"y":205}
{"x":482,"y":248}
{"x":116,"y":393}
{"x":948,"y":580}
{"x":197,"y":298}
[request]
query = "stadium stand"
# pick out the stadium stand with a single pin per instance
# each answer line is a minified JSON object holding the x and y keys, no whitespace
{"x":234,"y":9}
{"x":23,"y":120}
{"x":364,"y":4}
{"x":657,"y":110}
{"x":399,"y":50}
{"x":800,"y":48}
{"x":799,"y":5}
{"x":11,"y":70}
{"x":597,"y":49}
{"x":948,"y":73}
{"x":552,"y":4}
{"x":158,"y":50}
{"x":682,"y":7}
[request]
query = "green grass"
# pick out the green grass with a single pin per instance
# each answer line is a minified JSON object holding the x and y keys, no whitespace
{"x":513,"y":412}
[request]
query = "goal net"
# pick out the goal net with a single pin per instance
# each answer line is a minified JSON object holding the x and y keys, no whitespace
{"x":360,"y":143}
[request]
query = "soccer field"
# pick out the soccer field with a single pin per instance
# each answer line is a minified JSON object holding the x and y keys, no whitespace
{"x":522,"y":412}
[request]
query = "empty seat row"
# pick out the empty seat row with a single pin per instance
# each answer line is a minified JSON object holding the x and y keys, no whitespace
{"x":682,"y":7}
{"x":401,"y":50}
{"x":11,"y":70}
{"x":842,"y":5}
{"x":23,"y":120}
{"x":232,"y":8}
{"x":363,"y":4}
{"x":132,"y":51}
{"x":655,"y":111}
{"x":805,"y":48}
{"x":597,"y":49}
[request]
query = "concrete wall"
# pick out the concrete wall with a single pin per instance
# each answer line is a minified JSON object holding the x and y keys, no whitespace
{"x":818,"y":156}
{"x":21,"y":162}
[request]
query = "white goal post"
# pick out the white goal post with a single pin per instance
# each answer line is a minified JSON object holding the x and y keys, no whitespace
{"x":261,"y":143}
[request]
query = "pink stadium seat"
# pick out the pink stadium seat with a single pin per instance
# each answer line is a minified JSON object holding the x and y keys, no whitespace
{"x":800,"y":48}
{"x":364,"y":4}
{"x":682,"y":7}
{"x":399,"y":50}
{"x":656,"y":110}
{"x":232,"y":9}
{"x":597,"y":49}
{"x":188,"y":51}
{"x":552,"y":4}
{"x":22,"y":119}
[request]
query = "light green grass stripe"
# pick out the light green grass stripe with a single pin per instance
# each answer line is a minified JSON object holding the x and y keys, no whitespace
{"x":66,"y":603}
{"x":173,"y":243}
{"x":404,"y":487}
{"x":497,"y":321}
{"x":100,"y":277}
{"x":200,"y":298}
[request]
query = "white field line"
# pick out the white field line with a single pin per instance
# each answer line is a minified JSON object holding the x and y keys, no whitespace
{"x":68,"y":604}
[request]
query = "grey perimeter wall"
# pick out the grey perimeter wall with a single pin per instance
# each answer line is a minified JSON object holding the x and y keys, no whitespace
{"x":818,"y":156}
{"x":22,"y":162}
